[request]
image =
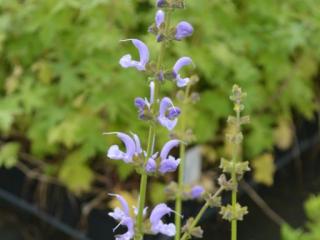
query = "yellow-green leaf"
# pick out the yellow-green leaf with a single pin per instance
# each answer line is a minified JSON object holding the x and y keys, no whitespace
{"x":264,"y":169}
{"x":283,"y":134}
{"x":9,"y":155}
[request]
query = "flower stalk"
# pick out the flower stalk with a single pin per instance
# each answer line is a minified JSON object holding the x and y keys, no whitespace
{"x":235,"y":167}
{"x":235,"y":153}
{"x":178,"y":203}
{"x":196,"y":220}
{"x":152,"y":134}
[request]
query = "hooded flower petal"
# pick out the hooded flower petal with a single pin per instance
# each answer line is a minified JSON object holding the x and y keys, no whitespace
{"x":160,"y":16}
{"x":157,"y":226}
{"x":123,"y":216}
{"x":168,"y":113}
{"x":128,"y":222}
{"x":123,"y":202}
{"x":184,"y":61}
{"x":138,"y":149}
{"x":183,"y":30}
{"x":115,"y":153}
{"x":168,"y":163}
{"x":197,"y":191}
{"x":126,"y":61}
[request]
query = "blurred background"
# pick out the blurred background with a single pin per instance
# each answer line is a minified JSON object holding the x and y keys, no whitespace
{"x":61,"y":87}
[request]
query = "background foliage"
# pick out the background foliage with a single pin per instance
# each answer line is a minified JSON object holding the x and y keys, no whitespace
{"x":312,"y":227}
{"x":61,"y":84}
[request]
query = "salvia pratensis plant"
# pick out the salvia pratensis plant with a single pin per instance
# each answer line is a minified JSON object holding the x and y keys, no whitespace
{"x":160,"y":111}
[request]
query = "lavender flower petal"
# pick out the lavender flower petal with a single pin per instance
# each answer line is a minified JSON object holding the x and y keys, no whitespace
{"x":140,"y":103}
{"x":183,"y":30}
{"x":115,"y":153}
{"x":117,"y":214}
{"x":196,"y":192}
{"x":160,"y":16}
{"x":173,"y":112}
{"x":165,"y":105}
{"x":126,"y":61}
{"x":169,"y":165}
{"x":184,"y":61}
{"x":129,"y":223}
{"x":151,"y":165}
{"x":138,"y":149}
{"x":168,"y":147}
{"x":157,"y":226}
{"x":123,"y":203}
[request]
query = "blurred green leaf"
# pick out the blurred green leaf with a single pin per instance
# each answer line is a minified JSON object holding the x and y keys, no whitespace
{"x":9,"y":154}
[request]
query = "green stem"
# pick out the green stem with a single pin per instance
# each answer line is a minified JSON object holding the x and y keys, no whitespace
{"x":143,"y":187}
{"x":201,"y":212}
{"x":234,"y":180}
{"x":178,"y":207}
{"x":152,"y":134}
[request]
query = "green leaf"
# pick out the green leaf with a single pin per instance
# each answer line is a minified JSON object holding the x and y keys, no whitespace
{"x":264,"y":169}
{"x":9,"y":154}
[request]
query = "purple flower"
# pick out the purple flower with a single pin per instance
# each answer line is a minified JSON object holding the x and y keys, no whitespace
{"x":151,"y":165}
{"x":118,"y":214}
{"x":144,"y":105}
{"x":168,"y":163}
{"x":122,"y":215}
{"x":160,"y":16}
{"x":157,"y":225}
{"x":128,"y":222}
{"x":161,"y":3}
{"x":196,"y":192}
{"x":126,"y":61}
{"x":132,"y":146}
{"x":184,"y":61}
{"x":183,"y":30}
{"x":168,"y":113}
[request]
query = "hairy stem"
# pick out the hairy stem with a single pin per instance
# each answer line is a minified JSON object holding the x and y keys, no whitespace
{"x":178,"y":207}
{"x":234,"y":179}
{"x":194,"y":223}
{"x":151,"y":138}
